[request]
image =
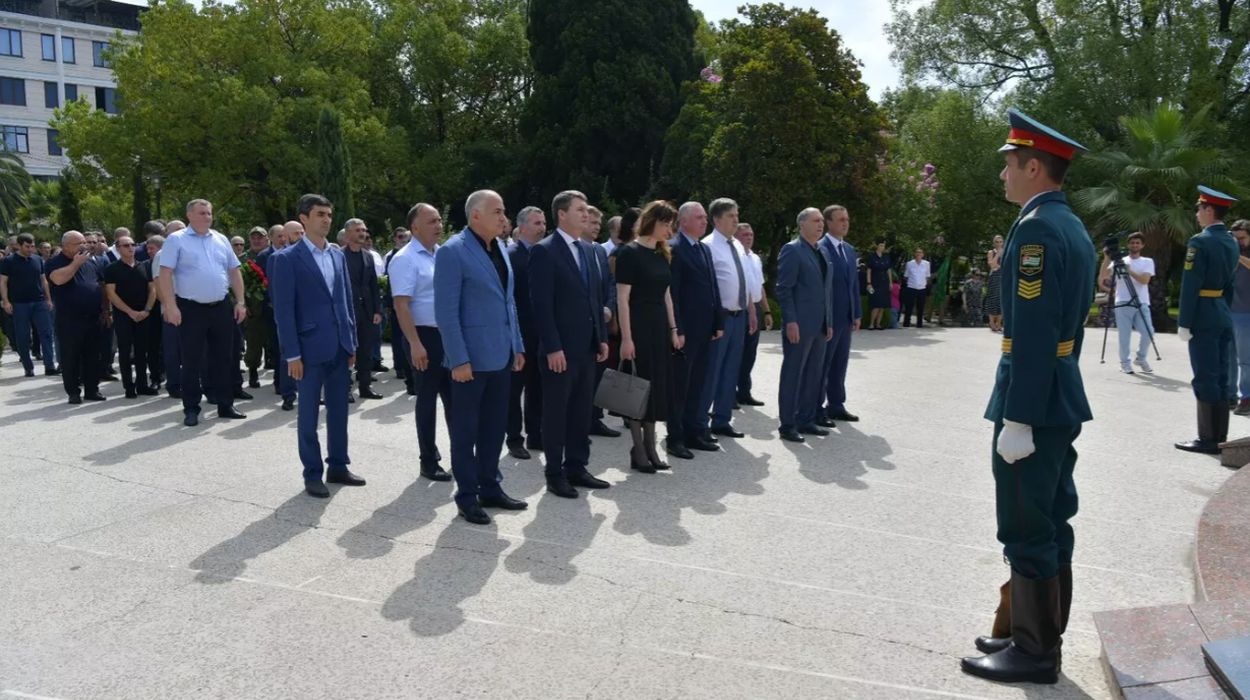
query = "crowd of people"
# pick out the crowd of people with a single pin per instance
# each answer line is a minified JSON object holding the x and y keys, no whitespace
{"x":510,"y":328}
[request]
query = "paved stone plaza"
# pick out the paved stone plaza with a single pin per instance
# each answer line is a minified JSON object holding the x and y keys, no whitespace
{"x":143,"y":559}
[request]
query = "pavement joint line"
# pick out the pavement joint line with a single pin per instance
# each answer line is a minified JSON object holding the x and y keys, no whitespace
{"x":314,"y":578}
{"x":128,"y":517}
{"x":29,"y":696}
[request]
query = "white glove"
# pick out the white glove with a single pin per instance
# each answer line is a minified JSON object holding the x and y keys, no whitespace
{"x":1184,"y":334}
{"x":1015,"y":441}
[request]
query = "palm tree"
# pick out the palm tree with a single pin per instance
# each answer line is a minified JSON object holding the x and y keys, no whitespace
{"x":1149,"y":185}
{"x":14,"y":184}
{"x":41,"y":211}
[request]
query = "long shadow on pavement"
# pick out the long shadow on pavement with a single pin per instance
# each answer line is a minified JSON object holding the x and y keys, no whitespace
{"x":227,"y":560}
{"x":561,"y":529}
{"x":457,"y":569}
{"x":411,"y":510}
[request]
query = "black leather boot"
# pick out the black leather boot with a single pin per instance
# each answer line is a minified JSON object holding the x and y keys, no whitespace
{"x":1033,"y":655}
{"x":1000,"y":633}
{"x":1219,"y":427}
{"x":1207,"y":438}
{"x":253,"y":378}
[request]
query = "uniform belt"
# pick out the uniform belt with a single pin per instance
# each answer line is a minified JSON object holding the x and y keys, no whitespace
{"x":1211,"y":293}
{"x":210,"y":305}
{"x":1064,"y":348}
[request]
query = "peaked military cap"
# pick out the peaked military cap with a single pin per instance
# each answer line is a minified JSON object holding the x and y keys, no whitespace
{"x":1027,"y":132}
{"x":1206,"y":195}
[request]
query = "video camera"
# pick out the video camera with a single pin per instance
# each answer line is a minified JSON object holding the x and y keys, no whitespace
{"x":1111,"y":248}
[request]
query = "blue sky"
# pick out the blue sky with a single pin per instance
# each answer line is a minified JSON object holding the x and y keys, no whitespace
{"x":861,"y":24}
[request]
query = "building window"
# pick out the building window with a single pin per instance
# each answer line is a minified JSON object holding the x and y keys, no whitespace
{"x":49,"y":47}
{"x":10,"y":42}
{"x":106,"y":99}
{"x":54,"y":144}
{"x":51,"y":95}
{"x":71,"y":92}
{"x":13,"y":91}
{"x":97,"y":54}
{"x":67,"y":49}
{"x":16,"y":138}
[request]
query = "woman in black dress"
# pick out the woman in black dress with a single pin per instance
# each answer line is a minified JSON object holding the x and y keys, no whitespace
{"x":880,"y":277}
{"x":648,"y":327}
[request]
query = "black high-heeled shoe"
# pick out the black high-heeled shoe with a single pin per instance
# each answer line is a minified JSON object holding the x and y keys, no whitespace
{"x":647,"y":468}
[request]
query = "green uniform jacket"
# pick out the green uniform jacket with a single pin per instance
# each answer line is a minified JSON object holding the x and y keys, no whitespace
{"x":1048,"y":266}
{"x":1210,"y":263}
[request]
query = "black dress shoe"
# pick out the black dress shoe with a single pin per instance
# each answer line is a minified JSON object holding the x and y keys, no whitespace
{"x":559,"y":486}
{"x":30,"y":373}
{"x":678,"y":450}
{"x":474,"y":514}
{"x":1200,"y":446}
{"x":502,"y":501}
{"x":54,"y":372}
{"x":812,"y":430}
{"x":96,"y":396}
{"x":702,"y":445}
{"x":792,"y":435}
{"x":600,"y":428}
{"x":367,"y":393}
{"x":727,"y":431}
{"x":351,"y":398}
{"x":585,"y":480}
{"x":148,"y":391}
{"x":843,"y":415}
{"x":345,"y":477}
{"x":750,"y":401}
{"x":288,"y":404}
{"x":75,"y":400}
{"x":242,"y":395}
{"x":826,"y":422}
{"x":434,"y":472}
{"x":230,"y":413}
{"x":191,"y":420}
{"x":132,"y":394}
{"x":518,"y":451}
{"x":379,"y":367}
{"x":316,"y":489}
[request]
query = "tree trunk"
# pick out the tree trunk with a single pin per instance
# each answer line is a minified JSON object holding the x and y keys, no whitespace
{"x":1159,"y":245}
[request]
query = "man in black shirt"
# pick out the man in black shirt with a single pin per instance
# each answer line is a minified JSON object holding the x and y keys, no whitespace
{"x":77,"y":293}
{"x":24,"y":294}
{"x":132,"y":296}
{"x":367,"y":298}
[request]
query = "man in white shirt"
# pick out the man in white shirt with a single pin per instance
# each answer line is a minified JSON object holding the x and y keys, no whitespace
{"x":411,"y":272}
{"x":728,"y":258}
{"x":1128,"y":318}
{"x":758,"y":299}
{"x":916,"y":276}
{"x":614,"y":235}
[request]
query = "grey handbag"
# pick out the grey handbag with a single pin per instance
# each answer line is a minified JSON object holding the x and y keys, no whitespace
{"x":623,"y":394}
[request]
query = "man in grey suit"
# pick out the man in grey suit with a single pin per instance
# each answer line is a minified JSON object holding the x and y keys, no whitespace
{"x":804,"y":276}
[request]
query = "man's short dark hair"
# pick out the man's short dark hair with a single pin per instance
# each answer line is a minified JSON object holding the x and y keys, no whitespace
{"x":155,"y":227}
{"x":412,"y":214}
{"x":563,"y":201}
{"x":309,"y":201}
{"x":1136,"y":236}
{"x":720,"y":206}
{"x":1241,"y":225}
{"x":1219,"y":211}
{"x":25,"y":238}
{"x":830,"y":210}
{"x":1055,"y":167}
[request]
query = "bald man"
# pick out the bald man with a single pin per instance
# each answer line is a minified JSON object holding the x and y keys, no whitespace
{"x":77,"y":290}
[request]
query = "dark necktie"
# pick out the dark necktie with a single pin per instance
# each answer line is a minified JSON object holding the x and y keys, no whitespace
{"x":581,"y":259}
{"x":742,"y":279}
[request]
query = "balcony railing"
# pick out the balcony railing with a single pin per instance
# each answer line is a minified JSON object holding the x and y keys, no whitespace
{"x":100,"y":14}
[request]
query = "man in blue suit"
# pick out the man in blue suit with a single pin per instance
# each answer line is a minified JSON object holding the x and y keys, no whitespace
{"x":845,"y":305}
{"x":804,"y":287}
{"x":697,"y":308}
{"x":476,"y":316}
{"x":565,"y":289}
{"x":607,"y":286}
{"x":312,"y":305}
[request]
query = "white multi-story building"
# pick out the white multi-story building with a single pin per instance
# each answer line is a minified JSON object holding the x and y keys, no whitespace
{"x":53,"y":51}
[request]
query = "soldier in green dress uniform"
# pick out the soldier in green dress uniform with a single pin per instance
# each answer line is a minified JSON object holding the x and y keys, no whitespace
{"x":1038,"y":404}
{"x":1205,"y":323}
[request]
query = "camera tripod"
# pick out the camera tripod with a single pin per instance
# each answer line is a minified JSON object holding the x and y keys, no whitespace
{"x":1119,"y":272}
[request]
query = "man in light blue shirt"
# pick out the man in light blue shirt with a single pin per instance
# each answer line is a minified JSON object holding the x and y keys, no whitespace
{"x":198,"y":269}
{"x":411,"y":272}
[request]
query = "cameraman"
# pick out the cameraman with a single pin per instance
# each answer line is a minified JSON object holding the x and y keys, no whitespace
{"x":1127,"y":318}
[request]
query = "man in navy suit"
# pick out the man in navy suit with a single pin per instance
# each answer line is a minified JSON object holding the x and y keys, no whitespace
{"x":312,"y":304}
{"x":804,"y":283}
{"x":527,"y":414}
{"x":697,"y":308}
{"x":476,"y":317}
{"x":846,"y":314}
{"x":566,"y":291}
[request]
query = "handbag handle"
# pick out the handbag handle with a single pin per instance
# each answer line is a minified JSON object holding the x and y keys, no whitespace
{"x":633,"y":366}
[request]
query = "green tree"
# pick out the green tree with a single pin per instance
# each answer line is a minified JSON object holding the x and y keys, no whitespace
{"x":70,"y":216}
{"x":14,"y":184}
{"x":607,"y":85}
{"x":40,"y":215}
{"x":1150,"y":185}
{"x":782,"y":122}
{"x":142,"y":211}
{"x":334,"y":171}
